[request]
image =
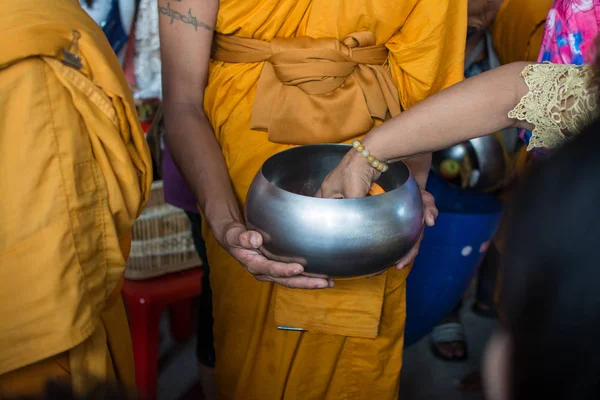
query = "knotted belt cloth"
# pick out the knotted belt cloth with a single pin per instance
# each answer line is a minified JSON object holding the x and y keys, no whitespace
{"x":315,"y":90}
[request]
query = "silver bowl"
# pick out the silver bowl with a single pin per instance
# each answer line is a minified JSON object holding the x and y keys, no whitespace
{"x":486,"y":159}
{"x":333,"y":237}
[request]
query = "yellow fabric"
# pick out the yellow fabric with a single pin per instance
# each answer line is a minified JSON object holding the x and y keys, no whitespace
{"x":347,"y":310}
{"x":323,"y":78}
{"x":255,"y":360}
{"x":105,"y":356}
{"x":75,"y":172}
{"x":518,"y":29}
{"x":31,"y":380}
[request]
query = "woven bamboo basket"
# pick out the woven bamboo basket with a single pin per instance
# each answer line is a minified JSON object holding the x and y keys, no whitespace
{"x":162,"y":240}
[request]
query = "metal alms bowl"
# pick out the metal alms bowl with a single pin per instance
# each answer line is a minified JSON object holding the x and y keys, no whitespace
{"x":486,"y":158}
{"x":334,"y":237}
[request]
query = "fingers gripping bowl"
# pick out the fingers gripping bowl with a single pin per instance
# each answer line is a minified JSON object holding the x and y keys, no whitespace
{"x":334,"y":237}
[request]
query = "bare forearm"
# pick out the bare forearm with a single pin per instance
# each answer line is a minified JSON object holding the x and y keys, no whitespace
{"x":198,"y":156}
{"x":419,"y":167}
{"x":472,"y":108}
{"x":186,"y":34}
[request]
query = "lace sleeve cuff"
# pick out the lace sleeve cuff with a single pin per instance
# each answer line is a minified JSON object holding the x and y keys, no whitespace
{"x":561,"y":101}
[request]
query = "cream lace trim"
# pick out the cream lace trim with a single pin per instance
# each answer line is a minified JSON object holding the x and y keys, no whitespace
{"x":561,"y":101}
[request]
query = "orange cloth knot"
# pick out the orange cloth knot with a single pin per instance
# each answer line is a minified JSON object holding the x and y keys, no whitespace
{"x":315,"y":90}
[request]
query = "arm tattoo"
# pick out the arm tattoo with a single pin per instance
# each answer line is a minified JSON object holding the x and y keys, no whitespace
{"x":188,"y":18}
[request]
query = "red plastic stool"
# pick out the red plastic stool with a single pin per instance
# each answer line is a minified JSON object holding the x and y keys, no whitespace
{"x":145,"y":301}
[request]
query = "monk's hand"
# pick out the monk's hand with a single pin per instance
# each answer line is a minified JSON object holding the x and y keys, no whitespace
{"x":430,"y":213}
{"x":352,"y":178}
{"x":244,"y":246}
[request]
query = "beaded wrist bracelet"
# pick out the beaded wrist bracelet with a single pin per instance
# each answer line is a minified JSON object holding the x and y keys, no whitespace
{"x":375,"y":163}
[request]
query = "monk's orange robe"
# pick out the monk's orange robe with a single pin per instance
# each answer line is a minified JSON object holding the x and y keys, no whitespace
{"x":518,"y":29}
{"x":75,"y":172}
{"x":353,"y":339}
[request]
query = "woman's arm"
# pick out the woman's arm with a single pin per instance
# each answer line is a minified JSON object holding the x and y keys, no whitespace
{"x":554,"y":101}
{"x":467,"y":110}
{"x":186,"y":33}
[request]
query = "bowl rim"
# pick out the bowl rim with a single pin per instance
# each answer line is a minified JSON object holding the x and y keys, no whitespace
{"x":384,"y":196}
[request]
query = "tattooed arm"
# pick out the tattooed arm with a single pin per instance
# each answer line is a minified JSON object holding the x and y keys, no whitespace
{"x":178,"y":15}
{"x":186,"y":33}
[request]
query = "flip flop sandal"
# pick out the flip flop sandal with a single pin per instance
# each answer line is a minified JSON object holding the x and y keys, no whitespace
{"x":447,"y":332}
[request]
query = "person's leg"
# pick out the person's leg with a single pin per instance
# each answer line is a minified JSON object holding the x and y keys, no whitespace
{"x":447,"y":338}
{"x":486,"y":284}
{"x":486,"y":301}
{"x":205,"y":351}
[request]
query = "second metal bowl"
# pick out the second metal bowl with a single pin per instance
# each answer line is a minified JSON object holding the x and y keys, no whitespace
{"x":487,"y":163}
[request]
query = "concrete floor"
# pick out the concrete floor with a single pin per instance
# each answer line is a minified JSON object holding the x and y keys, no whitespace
{"x":177,"y":367}
{"x":424,"y":377}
